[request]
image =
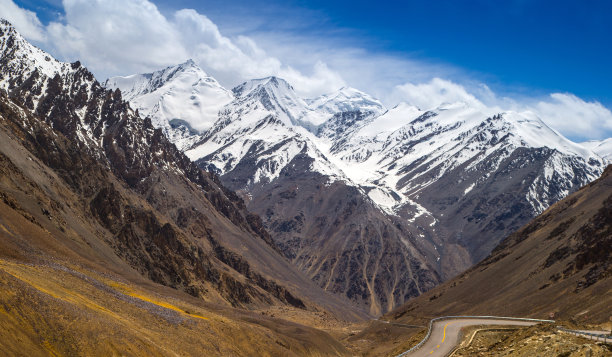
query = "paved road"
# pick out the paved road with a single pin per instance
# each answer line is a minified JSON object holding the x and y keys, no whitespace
{"x":445,"y":334}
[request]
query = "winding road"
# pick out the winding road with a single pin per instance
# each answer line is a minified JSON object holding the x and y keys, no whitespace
{"x":445,"y":334}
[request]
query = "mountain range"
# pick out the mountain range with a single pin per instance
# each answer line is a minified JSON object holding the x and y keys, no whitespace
{"x":162,"y":214}
{"x":375,"y":204}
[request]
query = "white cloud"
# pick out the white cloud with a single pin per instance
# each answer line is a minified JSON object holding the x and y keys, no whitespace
{"x":575,"y":117}
{"x":321,"y":80}
{"x":375,"y":73}
{"x":234,"y":60}
{"x":110,"y":36}
{"x":120,"y":37}
{"x":433,"y":93}
{"x":25,"y":21}
{"x":567,"y":113}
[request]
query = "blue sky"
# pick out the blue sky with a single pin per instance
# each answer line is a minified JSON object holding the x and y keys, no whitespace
{"x":511,"y":54}
{"x":516,"y":45}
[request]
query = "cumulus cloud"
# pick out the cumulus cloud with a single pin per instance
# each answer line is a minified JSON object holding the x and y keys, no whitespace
{"x":120,"y":37}
{"x":132,"y":36}
{"x":575,"y":117}
{"x":115,"y":35}
{"x":433,"y":93}
{"x":25,"y":21}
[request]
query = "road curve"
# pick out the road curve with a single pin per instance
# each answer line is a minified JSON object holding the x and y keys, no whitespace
{"x":445,"y":334}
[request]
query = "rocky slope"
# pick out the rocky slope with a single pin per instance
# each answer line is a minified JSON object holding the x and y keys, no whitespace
{"x":557,"y":265}
{"x":444,"y":185}
{"x":115,"y":191}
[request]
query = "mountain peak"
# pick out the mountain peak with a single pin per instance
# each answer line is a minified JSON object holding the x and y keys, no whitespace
{"x":139,"y":84}
{"x":189,"y":62}
{"x":7,"y":28}
{"x":21,"y":57}
{"x":179,"y":95}
{"x":186,"y":66}
{"x":189,"y":65}
{"x":272,"y":83}
{"x":347,"y":99}
{"x":5,"y":25}
{"x":534,"y":132}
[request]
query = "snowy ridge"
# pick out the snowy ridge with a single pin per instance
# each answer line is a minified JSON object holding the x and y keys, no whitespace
{"x":261,"y":126}
{"x":603,"y":148}
{"x":22,"y":61}
{"x":269,"y":123}
{"x":407,"y":149}
{"x":26,"y":58}
{"x":278,"y":97}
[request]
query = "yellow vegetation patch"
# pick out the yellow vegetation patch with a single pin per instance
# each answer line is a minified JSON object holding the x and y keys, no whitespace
{"x":24,"y":272}
{"x":4,"y":229}
{"x":46,"y":285}
{"x":127,"y":290}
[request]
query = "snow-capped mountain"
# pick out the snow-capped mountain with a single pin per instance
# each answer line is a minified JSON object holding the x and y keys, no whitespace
{"x":603,"y":148}
{"x":408,"y":149}
{"x":346,"y":99}
{"x":466,"y":175}
{"x":262,"y":128}
{"x":442,"y":186}
{"x":182,"y":100}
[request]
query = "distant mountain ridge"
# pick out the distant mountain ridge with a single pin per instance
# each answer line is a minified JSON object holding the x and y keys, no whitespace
{"x":446,"y":184}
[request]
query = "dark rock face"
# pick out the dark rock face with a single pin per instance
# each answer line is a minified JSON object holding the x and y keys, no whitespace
{"x":340,"y":123}
{"x":156,"y":249}
{"x":339,"y":238}
{"x":579,"y":240}
{"x":479,"y":219}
